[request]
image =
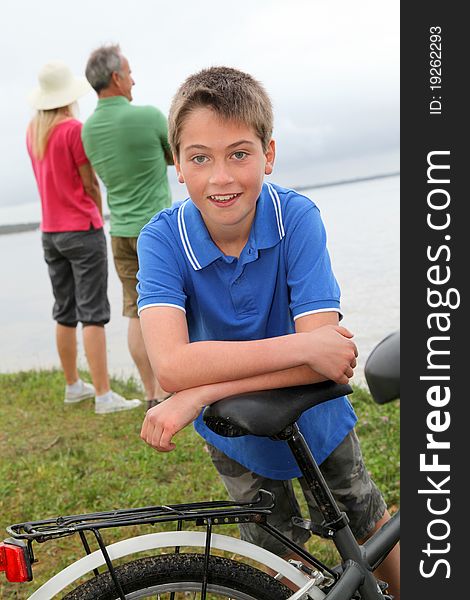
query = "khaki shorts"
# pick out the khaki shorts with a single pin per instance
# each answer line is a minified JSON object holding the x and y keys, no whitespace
{"x":348,"y":479}
{"x":127,"y":265}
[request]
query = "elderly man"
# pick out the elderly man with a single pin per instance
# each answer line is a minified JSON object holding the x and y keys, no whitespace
{"x":128,"y":147}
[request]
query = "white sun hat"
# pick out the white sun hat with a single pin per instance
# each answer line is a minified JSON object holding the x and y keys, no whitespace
{"x":57,"y":87}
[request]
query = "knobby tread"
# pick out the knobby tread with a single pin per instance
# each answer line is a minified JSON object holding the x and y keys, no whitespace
{"x":170,"y":568}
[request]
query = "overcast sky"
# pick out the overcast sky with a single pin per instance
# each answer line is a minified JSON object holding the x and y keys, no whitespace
{"x":331,"y":68}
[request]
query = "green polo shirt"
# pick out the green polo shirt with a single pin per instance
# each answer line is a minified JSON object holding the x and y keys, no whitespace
{"x":126,"y":145}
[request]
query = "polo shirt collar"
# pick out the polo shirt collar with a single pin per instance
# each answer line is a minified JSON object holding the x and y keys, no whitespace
{"x":266,"y":232}
{"x":268,"y":227}
{"x":112,"y":101}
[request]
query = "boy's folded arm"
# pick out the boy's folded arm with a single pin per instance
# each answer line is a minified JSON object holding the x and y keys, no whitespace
{"x":180,"y":365}
{"x":302,"y":375}
{"x":279,"y":379}
{"x":163,"y":421}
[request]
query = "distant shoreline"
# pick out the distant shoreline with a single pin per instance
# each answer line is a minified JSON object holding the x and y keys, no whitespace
{"x":22,"y":227}
{"x":18,"y":228}
{"x":316,"y":186}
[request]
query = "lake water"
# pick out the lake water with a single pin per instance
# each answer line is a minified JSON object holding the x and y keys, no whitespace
{"x":362,"y":221}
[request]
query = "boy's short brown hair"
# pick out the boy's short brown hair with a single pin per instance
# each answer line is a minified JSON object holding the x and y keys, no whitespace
{"x":231,"y":94}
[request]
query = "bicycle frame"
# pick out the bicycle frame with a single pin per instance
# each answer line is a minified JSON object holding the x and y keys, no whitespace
{"x":359,"y":560}
{"x":244,"y":414}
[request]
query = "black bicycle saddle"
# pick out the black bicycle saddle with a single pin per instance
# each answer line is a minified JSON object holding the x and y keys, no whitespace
{"x":266,"y":413}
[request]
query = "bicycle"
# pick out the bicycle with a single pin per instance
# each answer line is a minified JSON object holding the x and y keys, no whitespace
{"x":176,"y":574}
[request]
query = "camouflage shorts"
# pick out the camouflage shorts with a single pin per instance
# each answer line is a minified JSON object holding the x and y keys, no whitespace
{"x":346,"y":475}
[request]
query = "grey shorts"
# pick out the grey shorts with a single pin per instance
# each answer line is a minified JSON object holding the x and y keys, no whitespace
{"x":348,"y":479}
{"x":78,"y":269}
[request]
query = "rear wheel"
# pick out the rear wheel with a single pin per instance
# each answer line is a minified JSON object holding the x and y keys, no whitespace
{"x":179,"y":576}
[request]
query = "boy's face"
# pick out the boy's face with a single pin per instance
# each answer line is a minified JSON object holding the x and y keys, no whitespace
{"x":223,"y":165}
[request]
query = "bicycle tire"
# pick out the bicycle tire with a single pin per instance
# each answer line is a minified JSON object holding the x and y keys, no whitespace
{"x":160,"y":576}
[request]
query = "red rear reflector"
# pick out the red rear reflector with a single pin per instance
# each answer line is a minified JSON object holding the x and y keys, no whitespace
{"x":14,"y":560}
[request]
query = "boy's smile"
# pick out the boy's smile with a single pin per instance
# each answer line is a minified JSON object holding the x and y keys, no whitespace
{"x":224,"y":200}
{"x":223,"y":165}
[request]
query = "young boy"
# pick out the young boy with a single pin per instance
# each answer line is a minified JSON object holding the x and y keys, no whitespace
{"x":236,"y":294}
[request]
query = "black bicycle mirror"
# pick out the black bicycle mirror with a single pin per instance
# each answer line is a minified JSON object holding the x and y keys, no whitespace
{"x":382,"y":369}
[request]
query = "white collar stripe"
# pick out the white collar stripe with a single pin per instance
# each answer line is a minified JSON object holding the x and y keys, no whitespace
{"x":280,"y":211}
{"x":185,"y":239}
{"x":277,"y":210}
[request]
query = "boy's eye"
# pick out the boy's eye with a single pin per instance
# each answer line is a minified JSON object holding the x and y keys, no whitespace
{"x":199,"y":160}
{"x":239,"y":155}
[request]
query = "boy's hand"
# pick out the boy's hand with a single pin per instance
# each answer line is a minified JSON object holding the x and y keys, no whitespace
{"x":333,"y":353}
{"x":163,"y":421}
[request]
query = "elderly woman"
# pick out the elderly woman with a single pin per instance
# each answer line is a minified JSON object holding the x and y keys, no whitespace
{"x":72,"y":234}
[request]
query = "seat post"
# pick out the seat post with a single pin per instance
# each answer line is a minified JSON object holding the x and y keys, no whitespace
{"x":335,"y":522}
{"x":311,"y":473}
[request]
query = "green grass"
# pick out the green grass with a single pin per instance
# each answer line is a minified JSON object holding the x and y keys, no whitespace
{"x":60,"y":460}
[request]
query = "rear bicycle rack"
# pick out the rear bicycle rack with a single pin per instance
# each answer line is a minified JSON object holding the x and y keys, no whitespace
{"x":205,"y":514}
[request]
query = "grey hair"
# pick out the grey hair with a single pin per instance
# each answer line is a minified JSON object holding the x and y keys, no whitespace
{"x":103,"y":62}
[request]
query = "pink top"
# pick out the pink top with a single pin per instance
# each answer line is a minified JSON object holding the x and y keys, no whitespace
{"x":65,"y":204}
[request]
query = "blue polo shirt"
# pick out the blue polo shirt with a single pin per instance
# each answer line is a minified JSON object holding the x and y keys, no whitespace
{"x":283,"y":273}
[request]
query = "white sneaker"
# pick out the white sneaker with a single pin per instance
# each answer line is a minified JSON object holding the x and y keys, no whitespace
{"x":112,"y":402}
{"x":78,"y":391}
